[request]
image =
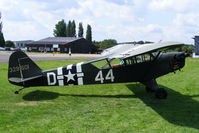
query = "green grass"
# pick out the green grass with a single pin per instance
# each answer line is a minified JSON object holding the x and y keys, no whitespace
{"x":123,"y":108}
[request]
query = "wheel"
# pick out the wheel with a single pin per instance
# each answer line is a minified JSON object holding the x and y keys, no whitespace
{"x":16,"y":92}
{"x":148,"y":90}
{"x":161,"y":93}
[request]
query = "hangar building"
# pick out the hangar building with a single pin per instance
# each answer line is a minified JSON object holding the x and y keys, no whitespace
{"x":61,"y":44}
{"x":196,"y":50}
{"x":196,"y":42}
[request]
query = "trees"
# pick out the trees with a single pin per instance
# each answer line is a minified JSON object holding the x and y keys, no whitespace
{"x":69,"y":30}
{"x":9,"y":44}
{"x":89,"y":33}
{"x":81,"y":30}
{"x":73,"y":29}
{"x":63,"y":30}
{"x":185,"y":48}
{"x":107,"y":43}
{"x":190,"y":49}
{"x":140,"y":42}
{"x":60,"y":29}
{"x":2,"y":41}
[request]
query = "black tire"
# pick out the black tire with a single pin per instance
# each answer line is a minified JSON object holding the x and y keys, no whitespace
{"x":161,"y":93}
{"x":16,"y":92}
{"x":149,"y":90}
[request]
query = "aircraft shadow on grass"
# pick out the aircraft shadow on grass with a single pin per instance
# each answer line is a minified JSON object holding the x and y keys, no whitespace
{"x":177,"y":109}
{"x":47,"y":95}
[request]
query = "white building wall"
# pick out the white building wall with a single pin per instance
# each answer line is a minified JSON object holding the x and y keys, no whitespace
{"x":22,"y":44}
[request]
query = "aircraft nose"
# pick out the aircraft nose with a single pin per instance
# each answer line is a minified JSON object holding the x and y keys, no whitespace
{"x":179,"y":61}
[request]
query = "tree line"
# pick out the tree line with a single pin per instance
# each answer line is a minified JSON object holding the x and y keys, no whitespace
{"x":69,"y":30}
{"x":4,"y":43}
{"x":107,"y":43}
{"x":2,"y":40}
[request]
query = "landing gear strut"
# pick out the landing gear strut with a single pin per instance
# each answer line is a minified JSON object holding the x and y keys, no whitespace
{"x":17,"y":92}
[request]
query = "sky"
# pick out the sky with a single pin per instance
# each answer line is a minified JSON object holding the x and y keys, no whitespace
{"x":123,"y":20}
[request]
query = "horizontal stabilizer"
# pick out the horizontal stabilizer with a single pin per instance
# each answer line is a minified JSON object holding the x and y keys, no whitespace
{"x":19,"y":80}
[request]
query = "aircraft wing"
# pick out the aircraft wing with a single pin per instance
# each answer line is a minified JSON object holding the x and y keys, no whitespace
{"x":127,"y":50}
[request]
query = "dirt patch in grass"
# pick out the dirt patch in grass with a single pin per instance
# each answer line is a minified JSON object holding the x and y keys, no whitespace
{"x":27,"y":103}
{"x":32,"y":103}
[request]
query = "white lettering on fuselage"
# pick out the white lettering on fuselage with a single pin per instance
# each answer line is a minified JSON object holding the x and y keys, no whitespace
{"x":109,"y":76}
{"x":80,"y":74}
{"x":66,"y":72}
{"x":60,"y":76}
{"x":51,"y":81}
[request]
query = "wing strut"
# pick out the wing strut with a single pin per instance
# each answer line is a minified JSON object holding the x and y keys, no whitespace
{"x":157,"y":56}
{"x":108,"y":63}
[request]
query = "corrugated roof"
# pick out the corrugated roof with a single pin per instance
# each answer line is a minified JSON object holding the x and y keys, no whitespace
{"x":56,"y":40}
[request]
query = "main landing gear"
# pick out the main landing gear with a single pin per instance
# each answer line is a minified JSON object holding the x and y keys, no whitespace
{"x":152,"y":86}
{"x":160,"y":93}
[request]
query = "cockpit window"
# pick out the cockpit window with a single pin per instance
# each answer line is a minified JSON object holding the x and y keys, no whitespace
{"x":139,"y":59}
{"x":109,"y":63}
{"x":99,"y":64}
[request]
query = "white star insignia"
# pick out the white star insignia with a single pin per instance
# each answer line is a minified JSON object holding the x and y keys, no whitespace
{"x":70,"y":76}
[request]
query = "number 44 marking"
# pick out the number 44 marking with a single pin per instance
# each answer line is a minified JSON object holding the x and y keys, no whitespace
{"x":109,"y":76}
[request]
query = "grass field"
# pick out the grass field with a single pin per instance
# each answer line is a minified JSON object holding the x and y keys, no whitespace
{"x":123,"y":108}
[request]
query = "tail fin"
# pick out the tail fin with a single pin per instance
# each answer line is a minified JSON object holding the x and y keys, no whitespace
{"x":22,"y":68}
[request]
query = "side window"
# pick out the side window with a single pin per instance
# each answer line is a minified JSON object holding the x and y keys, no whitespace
{"x":146,"y":57}
{"x":117,"y":62}
{"x":99,"y":64}
{"x":107,"y":63}
{"x":139,"y":59}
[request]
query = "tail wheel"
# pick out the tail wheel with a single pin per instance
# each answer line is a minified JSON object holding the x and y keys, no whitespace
{"x":16,"y":92}
{"x":161,"y":93}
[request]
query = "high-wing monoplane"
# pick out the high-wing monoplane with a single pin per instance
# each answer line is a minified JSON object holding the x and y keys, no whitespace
{"x":118,"y":64}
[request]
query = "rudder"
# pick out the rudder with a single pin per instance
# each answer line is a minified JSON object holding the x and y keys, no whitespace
{"x":22,"y":68}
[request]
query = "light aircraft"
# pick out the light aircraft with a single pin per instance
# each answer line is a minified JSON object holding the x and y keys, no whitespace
{"x":118,"y":64}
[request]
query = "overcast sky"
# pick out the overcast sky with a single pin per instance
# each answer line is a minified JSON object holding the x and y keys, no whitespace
{"x":123,"y":20}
